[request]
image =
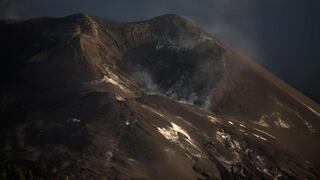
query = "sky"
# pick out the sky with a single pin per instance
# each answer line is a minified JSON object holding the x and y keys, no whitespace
{"x":281,"y":35}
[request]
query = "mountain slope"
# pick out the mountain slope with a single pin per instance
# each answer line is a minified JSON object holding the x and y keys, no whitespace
{"x":156,"y":99}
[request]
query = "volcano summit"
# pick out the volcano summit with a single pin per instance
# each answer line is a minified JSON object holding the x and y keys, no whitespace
{"x":88,"y":98}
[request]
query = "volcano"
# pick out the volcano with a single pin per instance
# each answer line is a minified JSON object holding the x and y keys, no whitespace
{"x":88,"y":98}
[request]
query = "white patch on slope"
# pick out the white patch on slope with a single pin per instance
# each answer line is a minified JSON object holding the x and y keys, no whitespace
{"x":237,"y":145}
{"x":262,"y":121}
{"x":259,"y":137}
{"x":230,"y":122}
{"x":172,"y":133}
{"x":120,"y":98}
{"x":114,"y":79}
{"x":224,"y":138}
{"x":115,"y":82}
{"x":281,"y":123}
{"x":108,"y":155}
{"x":152,"y":110}
{"x":264,"y":133}
{"x":242,"y":130}
{"x":74,"y":120}
{"x":262,"y":166}
{"x":309,"y":126}
{"x":179,"y":117}
{"x":233,"y":145}
{"x":311,"y":109}
{"x":276,"y":118}
{"x":226,"y":163}
{"x":213,"y":120}
{"x":127,"y":123}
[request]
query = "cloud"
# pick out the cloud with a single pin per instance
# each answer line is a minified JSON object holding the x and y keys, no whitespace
{"x":236,"y":39}
{"x":145,"y":81}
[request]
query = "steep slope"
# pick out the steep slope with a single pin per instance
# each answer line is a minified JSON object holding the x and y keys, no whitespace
{"x":159,"y":99}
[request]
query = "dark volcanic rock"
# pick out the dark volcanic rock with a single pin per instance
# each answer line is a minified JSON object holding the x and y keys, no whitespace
{"x":87,"y":98}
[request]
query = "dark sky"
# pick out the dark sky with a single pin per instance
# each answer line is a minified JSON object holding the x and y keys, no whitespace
{"x":281,"y":35}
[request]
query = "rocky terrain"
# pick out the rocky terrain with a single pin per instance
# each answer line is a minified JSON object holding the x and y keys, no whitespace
{"x":88,"y":98}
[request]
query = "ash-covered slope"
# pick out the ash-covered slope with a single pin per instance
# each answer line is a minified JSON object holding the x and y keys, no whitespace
{"x":158,"y":99}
